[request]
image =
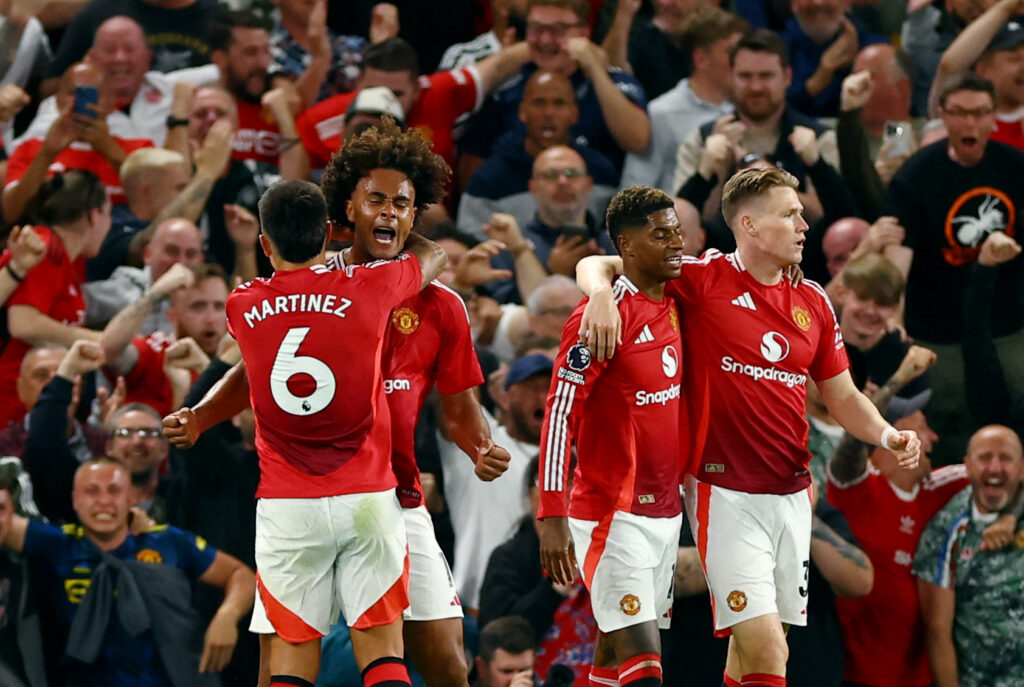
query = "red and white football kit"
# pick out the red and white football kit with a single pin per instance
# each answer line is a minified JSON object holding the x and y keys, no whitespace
{"x":258,"y":137}
{"x":427,"y":341}
{"x":623,"y":415}
{"x":329,"y":534}
{"x":750,"y":349}
{"x":884,"y":631}
{"x":53,"y":287}
{"x":444,"y":97}
{"x":78,"y":155}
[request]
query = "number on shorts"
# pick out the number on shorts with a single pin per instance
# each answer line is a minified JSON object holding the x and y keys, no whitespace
{"x":804,"y":587}
{"x":287,"y":365}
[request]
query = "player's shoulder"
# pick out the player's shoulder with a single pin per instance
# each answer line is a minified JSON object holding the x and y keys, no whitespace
{"x":714,"y":259}
{"x":249,"y":290}
{"x":443,"y":298}
{"x":814,"y":295}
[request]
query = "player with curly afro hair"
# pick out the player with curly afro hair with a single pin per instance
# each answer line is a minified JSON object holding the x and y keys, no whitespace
{"x":384,"y":147}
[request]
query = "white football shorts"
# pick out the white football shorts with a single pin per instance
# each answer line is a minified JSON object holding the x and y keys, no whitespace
{"x":628,"y":563}
{"x":316,"y":558}
{"x":755,"y":551}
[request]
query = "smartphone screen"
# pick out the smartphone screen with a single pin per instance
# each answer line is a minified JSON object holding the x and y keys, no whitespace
{"x":85,"y":96}
{"x":898,"y":134}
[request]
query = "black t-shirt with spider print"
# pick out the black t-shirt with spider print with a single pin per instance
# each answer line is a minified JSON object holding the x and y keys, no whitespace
{"x":948,"y":210}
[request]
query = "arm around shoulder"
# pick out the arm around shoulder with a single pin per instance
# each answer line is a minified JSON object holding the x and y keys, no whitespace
{"x":430,"y":255}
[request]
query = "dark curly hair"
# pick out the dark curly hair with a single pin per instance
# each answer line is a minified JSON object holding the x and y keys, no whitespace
{"x":630,"y":207}
{"x":384,"y":147}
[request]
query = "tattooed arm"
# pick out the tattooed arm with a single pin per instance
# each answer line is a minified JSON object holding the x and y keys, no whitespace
{"x":211,"y":160}
{"x":850,"y":460}
{"x":842,"y":563}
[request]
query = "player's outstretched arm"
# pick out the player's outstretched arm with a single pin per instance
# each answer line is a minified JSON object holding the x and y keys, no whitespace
{"x":601,"y":326}
{"x":225,"y":399}
{"x":851,"y":456}
{"x":464,"y":422}
{"x":859,"y":417}
{"x":430,"y":255}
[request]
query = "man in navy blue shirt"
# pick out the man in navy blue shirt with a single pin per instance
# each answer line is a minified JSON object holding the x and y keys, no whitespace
{"x":129,"y":656}
{"x":612,"y":105}
{"x":823,"y":42}
{"x":503,"y":182}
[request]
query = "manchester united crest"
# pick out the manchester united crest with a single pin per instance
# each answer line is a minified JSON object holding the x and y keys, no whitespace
{"x":149,"y":556}
{"x":802,"y":318}
{"x":673,"y":319}
{"x":629,"y":604}
{"x":405,"y":320}
{"x":737,"y":600}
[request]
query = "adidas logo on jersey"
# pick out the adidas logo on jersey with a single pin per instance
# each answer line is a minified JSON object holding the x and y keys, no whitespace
{"x":645,"y":336}
{"x":745,"y":301}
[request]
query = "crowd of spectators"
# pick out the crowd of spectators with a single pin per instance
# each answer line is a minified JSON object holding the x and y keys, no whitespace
{"x":138,"y":135}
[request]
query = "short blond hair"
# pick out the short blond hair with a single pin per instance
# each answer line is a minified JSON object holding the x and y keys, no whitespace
{"x":144,"y":161}
{"x":751,"y":184}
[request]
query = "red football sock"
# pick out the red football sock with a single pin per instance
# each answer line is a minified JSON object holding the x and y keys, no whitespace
{"x":642,"y":670}
{"x":729,"y":682}
{"x":288,"y":681}
{"x":603,"y":677}
{"x":387,"y":671}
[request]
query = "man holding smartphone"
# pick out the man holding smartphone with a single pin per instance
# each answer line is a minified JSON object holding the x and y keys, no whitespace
{"x":562,"y":232}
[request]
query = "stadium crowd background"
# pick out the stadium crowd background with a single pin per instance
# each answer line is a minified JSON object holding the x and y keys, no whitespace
{"x":138,"y":136}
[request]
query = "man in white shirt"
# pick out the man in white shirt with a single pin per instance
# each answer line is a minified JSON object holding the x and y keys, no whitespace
{"x":143,"y":98}
{"x":711,"y":33}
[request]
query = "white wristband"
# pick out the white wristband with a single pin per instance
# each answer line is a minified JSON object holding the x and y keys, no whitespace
{"x":888,"y":433}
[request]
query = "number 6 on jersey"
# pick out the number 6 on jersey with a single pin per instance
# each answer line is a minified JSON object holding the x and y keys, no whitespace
{"x":287,"y":365}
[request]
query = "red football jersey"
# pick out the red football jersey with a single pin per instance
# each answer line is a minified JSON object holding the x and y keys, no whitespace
{"x":427,"y":341}
{"x":884,"y":632}
{"x":53,"y":288}
{"x":312,"y":341}
{"x":147,"y":382}
{"x":258,"y":137}
{"x":444,"y":97}
{"x":76,"y":156}
{"x":750,"y":349}
{"x":623,"y":415}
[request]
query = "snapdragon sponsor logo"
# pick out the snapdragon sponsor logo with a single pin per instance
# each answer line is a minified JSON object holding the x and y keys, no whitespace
{"x":771,"y":374}
{"x":663,"y":397}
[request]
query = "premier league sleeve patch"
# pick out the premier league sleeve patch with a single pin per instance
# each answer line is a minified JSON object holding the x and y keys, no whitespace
{"x":578,"y":357}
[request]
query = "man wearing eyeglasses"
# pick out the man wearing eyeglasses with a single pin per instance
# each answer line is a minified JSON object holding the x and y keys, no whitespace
{"x":564,"y":229}
{"x":950,"y":196}
{"x":136,"y":440}
{"x":612,"y":105}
